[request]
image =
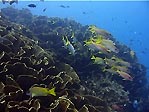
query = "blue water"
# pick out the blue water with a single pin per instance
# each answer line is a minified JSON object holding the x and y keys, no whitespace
{"x":127,"y":21}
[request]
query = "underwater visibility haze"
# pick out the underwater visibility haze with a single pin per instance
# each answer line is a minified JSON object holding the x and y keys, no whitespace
{"x":74,"y":56}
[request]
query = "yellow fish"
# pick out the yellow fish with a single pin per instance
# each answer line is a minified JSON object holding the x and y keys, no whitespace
{"x":109,"y":44}
{"x":40,"y":91}
{"x":110,"y":62}
{"x":132,"y":54}
{"x":121,"y":62}
{"x":94,"y":30}
{"x":68,"y":45}
{"x":97,"y":60}
{"x":101,"y":48}
{"x":121,"y":68}
{"x":125,"y":75}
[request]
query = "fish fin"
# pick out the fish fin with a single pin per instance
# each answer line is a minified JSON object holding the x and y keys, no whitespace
{"x":67,"y":41}
{"x":99,"y":39}
{"x":52,"y":91}
{"x":33,"y":94}
{"x":93,"y":57}
{"x":73,"y":35}
{"x":100,"y":52}
{"x":104,"y":70}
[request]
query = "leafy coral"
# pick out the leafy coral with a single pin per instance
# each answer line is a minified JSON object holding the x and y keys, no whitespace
{"x":32,"y":55}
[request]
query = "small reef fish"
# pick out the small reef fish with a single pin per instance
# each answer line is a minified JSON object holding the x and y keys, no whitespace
{"x":98,"y":39}
{"x":94,"y":30}
{"x":97,"y":60}
{"x":124,"y":75}
{"x":71,"y":48}
{"x":121,"y":62}
{"x":124,"y":63}
{"x":96,"y":47}
{"x":68,"y":45}
{"x":121,"y":68}
{"x":132,"y":54}
{"x":32,"y":5}
{"x":84,"y":12}
{"x":40,"y":91}
{"x":102,"y":48}
{"x":63,"y":6}
{"x":44,"y":9}
{"x":92,"y":47}
{"x":74,"y":39}
{"x":110,"y":62}
{"x":104,"y":45}
{"x":10,"y":1}
{"x":109,"y":44}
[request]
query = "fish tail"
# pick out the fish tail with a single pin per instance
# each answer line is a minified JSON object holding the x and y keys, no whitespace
{"x":93,"y":57}
{"x":65,"y":39}
{"x":52,"y":91}
{"x":104,"y":70}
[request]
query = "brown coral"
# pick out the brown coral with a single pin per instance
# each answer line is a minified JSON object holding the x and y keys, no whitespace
{"x":32,"y":55}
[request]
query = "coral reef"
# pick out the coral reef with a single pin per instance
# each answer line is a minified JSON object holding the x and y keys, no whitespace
{"x":106,"y":89}
{"x":84,"y":64}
